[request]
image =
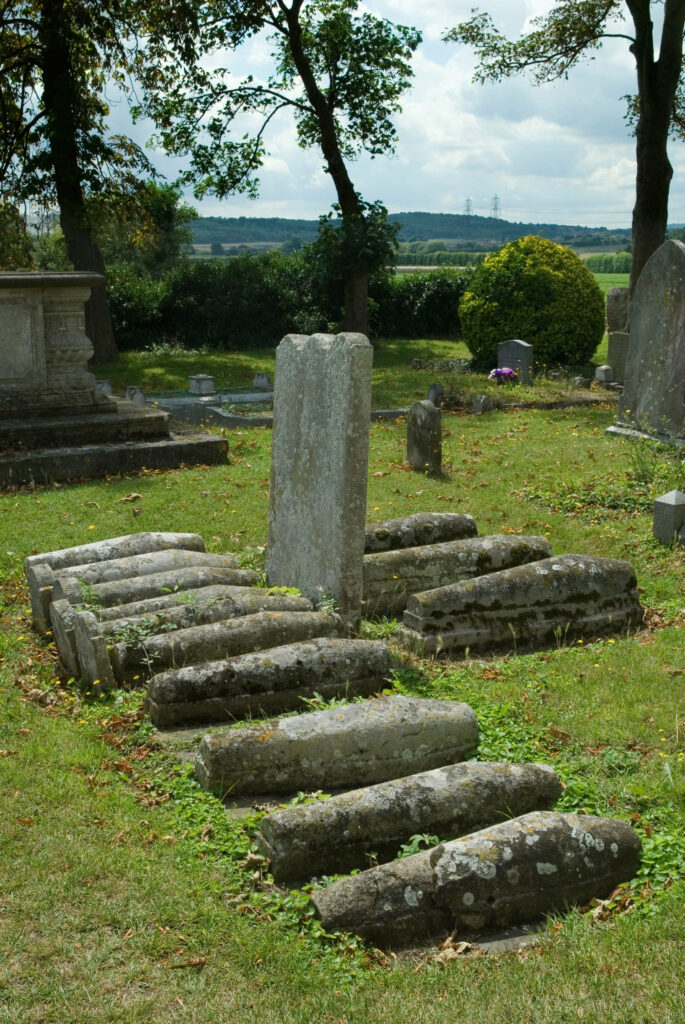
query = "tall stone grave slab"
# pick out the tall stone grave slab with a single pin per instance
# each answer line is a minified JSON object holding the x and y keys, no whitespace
{"x":517,"y":355}
{"x":424,"y":438}
{"x":653,"y":399}
{"x":317,"y":504}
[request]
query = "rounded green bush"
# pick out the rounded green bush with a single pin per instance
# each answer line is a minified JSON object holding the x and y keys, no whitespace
{"x":537,"y":291}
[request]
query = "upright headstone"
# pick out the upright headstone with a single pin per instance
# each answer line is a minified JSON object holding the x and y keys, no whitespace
{"x":436,"y":393}
{"x":135,"y":393}
{"x":653,"y":400}
{"x":669,"y":516}
{"x":519,"y":356}
{"x":617,"y":353}
{"x":424,"y":438}
{"x":261,"y":380}
{"x":201,"y":384}
{"x":317,"y":502}
{"x":618,"y":300}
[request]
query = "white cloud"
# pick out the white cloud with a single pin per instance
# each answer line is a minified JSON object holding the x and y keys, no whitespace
{"x":559,"y":152}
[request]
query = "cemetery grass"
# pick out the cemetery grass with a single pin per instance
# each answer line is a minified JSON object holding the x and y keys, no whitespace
{"x":165,"y":369}
{"x":121,"y":894}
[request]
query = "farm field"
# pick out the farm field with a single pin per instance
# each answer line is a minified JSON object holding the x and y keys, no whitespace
{"x":124,"y":891}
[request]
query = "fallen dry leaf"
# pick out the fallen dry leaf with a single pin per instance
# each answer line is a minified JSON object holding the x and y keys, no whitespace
{"x":133,"y":496}
{"x":26,"y":821}
{"x":198,"y":961}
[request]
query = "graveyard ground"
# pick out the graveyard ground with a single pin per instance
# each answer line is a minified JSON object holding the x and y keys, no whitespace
{"x":123,"y":891}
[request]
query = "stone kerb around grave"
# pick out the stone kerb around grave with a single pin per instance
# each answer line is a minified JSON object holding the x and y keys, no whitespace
{"x":653,"y":400}
{"x":317,"y":508}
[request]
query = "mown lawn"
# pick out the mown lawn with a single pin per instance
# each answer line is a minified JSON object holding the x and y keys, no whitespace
{"x":122,"y":896}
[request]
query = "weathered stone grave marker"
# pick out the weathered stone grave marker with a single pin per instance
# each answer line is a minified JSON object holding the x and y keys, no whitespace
{"x":653,"y":400}
{"x":517,"y":355}
{"x":436,"y":394}
{"x":424,"y":438}
{"x":317,"y":501}
{"x":669,"y":517}
{"x":201,"y":384}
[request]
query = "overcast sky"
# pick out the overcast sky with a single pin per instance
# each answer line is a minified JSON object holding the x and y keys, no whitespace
{"x":555,"y":153}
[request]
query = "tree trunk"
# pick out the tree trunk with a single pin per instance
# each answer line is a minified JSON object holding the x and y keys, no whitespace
{"x":356,"y":282}
{"x":657,"y":86}
{"x":61,"y":105}
{"x":356,"y":302}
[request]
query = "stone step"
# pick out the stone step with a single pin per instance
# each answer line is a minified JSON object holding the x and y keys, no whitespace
{"x":510,"y":873}
{"x":125,"y":422}
{"x":418,"y":529}
{"x":537,"y":605}
{"x":42,"y":578}
{"x":335,"y":835}
{"x":268,"y":682}
{"x":356,"y":745}
{"x":44,"y":465}
{"x":391,"y":577}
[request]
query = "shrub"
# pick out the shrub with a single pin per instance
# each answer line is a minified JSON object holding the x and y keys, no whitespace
{"x":135,"y":300}
{"x":537,"y":291}
{"x":419,"y":305}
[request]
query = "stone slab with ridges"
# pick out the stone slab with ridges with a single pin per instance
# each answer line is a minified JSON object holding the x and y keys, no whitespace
{"x":356,"y":745}
{"x":535,"y":605}
{"x":268,"y":682}
{"x":390,"y":577}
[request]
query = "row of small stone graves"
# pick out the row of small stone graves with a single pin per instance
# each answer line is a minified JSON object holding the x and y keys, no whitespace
{"x":157,"y":610}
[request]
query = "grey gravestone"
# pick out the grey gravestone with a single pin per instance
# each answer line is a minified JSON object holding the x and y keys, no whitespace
{"x":618,"y":301}
{"x":436,"y":394}
{"x":270,"y":682}
{"x":517,"y":870}
{"x":424,"y":438}
{"x":669,"y":516}
{"x":104,"y":386}
{"x":530,"y":606}
{"x":317,"y":499}
{"x":653,"y":400}
{"x":356,"y":745}
{"x":261,"y":380}
{"x":335,"y":835}
{"x":517,"y":355}
{"x":481,"y":404}
{"x":135,"y":393}
{"x":604,"y":374}
{"x":202,"y":384}
{"x":617,"y":353}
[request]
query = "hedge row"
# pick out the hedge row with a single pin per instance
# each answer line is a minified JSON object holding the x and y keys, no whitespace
{"x":440,"y":259}
{"x":609,"y":263}
{"x":251,"y":301}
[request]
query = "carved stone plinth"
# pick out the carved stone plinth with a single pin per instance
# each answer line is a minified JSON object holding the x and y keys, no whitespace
{"x":44,"y":348}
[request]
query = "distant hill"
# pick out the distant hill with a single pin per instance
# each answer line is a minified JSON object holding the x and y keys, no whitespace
{"x":461,"y":230}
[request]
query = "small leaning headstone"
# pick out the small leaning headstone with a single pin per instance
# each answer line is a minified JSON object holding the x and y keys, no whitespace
{"x":519,"y":356}
{"x":669,"y":516}
{"x":481,"y":404}
{"x":436,"y":394}
{"x":104,"y":386}
{"x":261,"y":380}
{"x":424,"y":438}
